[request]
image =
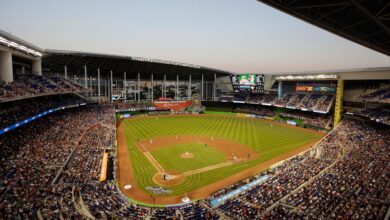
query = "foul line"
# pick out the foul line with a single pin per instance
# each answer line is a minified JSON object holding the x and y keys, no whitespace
{"x":160,"y":169}
{"x":204,"y":169}
{"x":154,"y":161}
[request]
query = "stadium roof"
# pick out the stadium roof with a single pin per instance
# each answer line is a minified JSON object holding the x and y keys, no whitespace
{"x":366,"y":22}
{"x":55,"y":60}
{"x":14,"y":42}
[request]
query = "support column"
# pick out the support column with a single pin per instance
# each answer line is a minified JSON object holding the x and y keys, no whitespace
{"x":6,"y":72}
{"x":215,"y":88}
{"x":37,"y":67}
{"x":189,"y":88}
{"x":164,"y":85}
{"x":177,"y":86}
{"x":207,"y":89}
{"x":90,"y":86}
{"x":139,"y":85}
{"x":98,"y":81}
{"x":280,"y":90}
{"x":339,"y":102}
{"x":23,"y":70}
{"x":124,"y":86}
{"x":201,"y":87}
{"x":110,"y":86}
{"x":66,"y":72}
{"x":85,"y":77}
{"x":106,"y":88}
{"x":152,"y":88}
{"x":124,"y":81}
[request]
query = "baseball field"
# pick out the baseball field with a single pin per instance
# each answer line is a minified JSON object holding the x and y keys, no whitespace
{"x":164,"y":157}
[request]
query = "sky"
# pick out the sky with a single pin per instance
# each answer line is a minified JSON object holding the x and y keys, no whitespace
{"x":233,"y":35}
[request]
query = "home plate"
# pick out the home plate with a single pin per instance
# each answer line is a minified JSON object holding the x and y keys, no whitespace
{"x":185,"y":199}
{"x":127,"y":186}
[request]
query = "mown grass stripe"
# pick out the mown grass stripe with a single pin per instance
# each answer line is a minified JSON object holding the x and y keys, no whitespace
{"x":257,"y":134}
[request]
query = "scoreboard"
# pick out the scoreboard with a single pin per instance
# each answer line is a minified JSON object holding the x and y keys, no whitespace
{"x":248,"y":82}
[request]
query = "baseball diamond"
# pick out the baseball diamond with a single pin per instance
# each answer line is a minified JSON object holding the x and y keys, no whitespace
{"x":222,"y":148}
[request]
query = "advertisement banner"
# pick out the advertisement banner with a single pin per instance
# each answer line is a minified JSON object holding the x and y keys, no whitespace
{"x":103,"y":170}
{"x":324,"y":89}
{"x":317,"y":111}
{"x":291,"y":107}
{"x":221,"y":199}
{"x":304,"y":88}
{"x":291,"y":122}
{"x":175,"y":106}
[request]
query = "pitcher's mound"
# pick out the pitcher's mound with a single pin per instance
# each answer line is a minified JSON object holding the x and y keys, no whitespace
{"x":170,"y":178}
{"x":187,"y":155}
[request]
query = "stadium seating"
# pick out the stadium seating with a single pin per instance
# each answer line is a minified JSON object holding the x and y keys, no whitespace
{"x":381,"y":95}
{"x":32,"y":157}
{"x":34,"y":85}
{"x":295,"y":100}
{"x":260,"y":98}
{"x":134,"y":105}
{"x":256,"y":109}
{"x":309,"y":118}
{"x":339,"y":173}
{"x":307,"y":102}
{"x":13,"y":112}
{"x":378,"y":114}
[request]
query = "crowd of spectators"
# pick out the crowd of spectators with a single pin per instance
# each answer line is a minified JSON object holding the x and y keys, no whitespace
{"x":240,"y":97}
{"x":34,"y":85}
{"x":309,"y":118}
{"x":295,"y":99}
{"x":283,"y":101}
{"x":356,"y":187}
{"x":313,"y":102}
{"x":256,"y":110}
{"x":32,"y":155}
{"x":253,"y":203}
{"x":261,"y":98}
{"x":380,"y":115}
{"x":69,"y":144}
{"x":320,"y":102}
{"x":134,"y":105}
{"x":16,"y":111}
{"x":381,"y":95}
{"x":324,"y":102}
{"x":346,"y":176}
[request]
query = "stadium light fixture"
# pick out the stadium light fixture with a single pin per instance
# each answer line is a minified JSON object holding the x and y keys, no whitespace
{"x":20,"y":47}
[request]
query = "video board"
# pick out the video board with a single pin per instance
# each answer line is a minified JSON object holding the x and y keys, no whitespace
{"x":248,"y":82}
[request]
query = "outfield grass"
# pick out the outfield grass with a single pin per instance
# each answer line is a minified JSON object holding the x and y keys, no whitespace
{"x":170,"y":158}
{"x":268,"y":141}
